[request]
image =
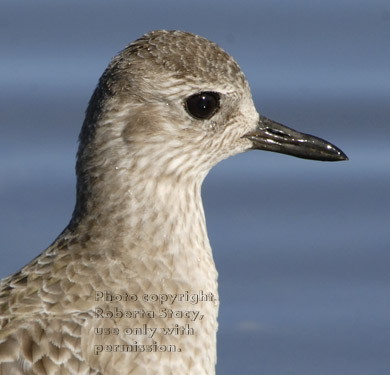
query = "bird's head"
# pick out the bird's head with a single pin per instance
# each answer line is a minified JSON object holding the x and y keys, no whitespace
{"x":173,"y":104}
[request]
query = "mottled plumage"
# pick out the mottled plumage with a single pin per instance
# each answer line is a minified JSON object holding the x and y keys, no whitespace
{"x":138,"y":226}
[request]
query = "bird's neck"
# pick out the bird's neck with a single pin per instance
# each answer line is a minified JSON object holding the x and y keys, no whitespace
{"x":160,"y":218}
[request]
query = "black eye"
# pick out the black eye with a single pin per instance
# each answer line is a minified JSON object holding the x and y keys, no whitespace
{"x":202,"y":106}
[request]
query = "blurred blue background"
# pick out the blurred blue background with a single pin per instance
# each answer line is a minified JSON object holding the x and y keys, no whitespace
{"x":302,"y":247}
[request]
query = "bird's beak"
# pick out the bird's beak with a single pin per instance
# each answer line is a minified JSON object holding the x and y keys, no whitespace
{"x":272,"y":136}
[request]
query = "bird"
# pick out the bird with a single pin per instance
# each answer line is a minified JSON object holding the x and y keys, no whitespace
{"x":130,"y":285}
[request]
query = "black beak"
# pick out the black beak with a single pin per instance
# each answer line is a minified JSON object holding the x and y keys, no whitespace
{"x":272,"y":136}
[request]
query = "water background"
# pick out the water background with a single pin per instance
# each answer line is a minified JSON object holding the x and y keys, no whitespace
{"x":302,"y":247}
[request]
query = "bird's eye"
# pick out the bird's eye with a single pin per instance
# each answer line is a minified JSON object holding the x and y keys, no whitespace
{"x":202,"y":106}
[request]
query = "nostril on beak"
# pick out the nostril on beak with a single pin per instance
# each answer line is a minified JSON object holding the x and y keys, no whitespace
{"x":278,"y":133}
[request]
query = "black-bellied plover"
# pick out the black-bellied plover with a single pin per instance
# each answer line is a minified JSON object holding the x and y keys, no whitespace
{"x":130,"y":286}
